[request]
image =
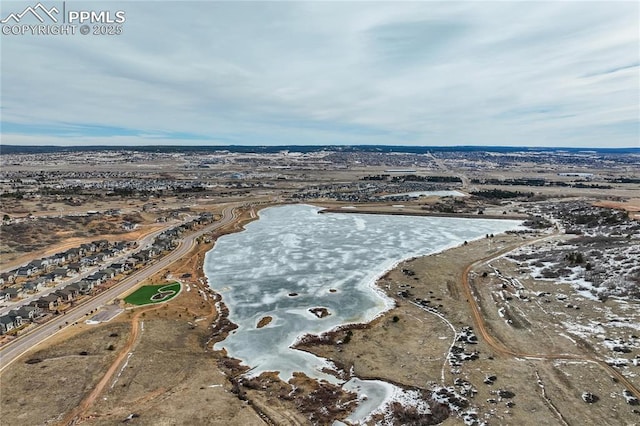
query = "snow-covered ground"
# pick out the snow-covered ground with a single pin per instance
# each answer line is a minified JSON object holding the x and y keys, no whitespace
{"x":600,"y":264}
{"x":377,"y":397}
{"x":599,"y":269}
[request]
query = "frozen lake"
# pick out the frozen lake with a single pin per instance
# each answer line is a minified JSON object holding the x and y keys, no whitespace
{"x":293,"y":259}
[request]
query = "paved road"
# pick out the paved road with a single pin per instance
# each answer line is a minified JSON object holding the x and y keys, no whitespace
{"x":13,"y":350}
{"x":142,"y":244}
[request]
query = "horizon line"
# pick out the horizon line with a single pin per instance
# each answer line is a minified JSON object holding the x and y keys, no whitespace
{"x":308,"y":146}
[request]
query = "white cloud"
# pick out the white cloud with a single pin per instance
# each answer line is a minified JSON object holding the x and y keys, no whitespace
{"x":491,"y":73}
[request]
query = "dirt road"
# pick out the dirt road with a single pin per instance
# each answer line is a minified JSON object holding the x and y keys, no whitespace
{"x":500,"y":347}
{"x":76,"y":414}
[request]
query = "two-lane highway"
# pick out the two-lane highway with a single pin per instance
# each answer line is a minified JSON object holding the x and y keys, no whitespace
{"x":142,"y":244}
{"x":23,"y":343}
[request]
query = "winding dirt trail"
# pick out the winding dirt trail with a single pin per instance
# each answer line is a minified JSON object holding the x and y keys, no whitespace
{"x":501,"y":348}
{"x":74,"y":416}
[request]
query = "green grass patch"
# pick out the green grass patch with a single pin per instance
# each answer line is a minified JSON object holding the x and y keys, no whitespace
{"x":149,"y":294}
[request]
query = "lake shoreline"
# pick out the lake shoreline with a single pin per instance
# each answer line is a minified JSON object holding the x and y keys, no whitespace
{"x":423,"y":214}
{"x":319,"y":367}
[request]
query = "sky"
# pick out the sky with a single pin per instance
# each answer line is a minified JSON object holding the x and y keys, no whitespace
{"x":492,"y":73}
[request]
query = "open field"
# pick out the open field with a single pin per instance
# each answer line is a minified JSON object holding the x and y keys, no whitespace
{"x":51,"y":381}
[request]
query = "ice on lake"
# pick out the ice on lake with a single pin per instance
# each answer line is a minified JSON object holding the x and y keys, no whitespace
{"x":293,"y":259}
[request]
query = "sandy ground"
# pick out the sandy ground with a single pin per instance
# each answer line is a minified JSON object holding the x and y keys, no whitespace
{"x":632,"y":206}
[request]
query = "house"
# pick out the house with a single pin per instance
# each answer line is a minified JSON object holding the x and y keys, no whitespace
{"x":33,"y":286}
{"x":13,"y":292}
{"x":27,"y":312}
{"x":118,"y":267}
{"x":72,"y":254}
{"x":39,"y":265}
{"x":58,"y":258}
{"x":27,"y":271}
{"x":6,"y":324}
{"x":43,"y":280}
{"x":128,"y":226}
{"x":17,"y":319}
{"x":94,"y":279}
{"x":61,"y":272}
{"x":67,"y":294}
{"x":89,"y":247}
{"x":53,"y":276}
{"x":109,"y":273}
{"x":171,"y":234}
{"x":74,"y":267}
{"x":90,"y":260}
{"x":73,"y":290}
{"x":102,"y":276}
{"x":9,"y":322}
{"x":163,"y":245}
{"x":4,"y":296}
{"x":50,"y":277}
{"x":187,"y":226}
{"x":29,"y":287}
{"x":142,"y":256}
{"x":122,"y":245}
{"x":48,"y":302}
{"x":113,"y":252}
{"x":205,"y":218}
{"x":101,"y":244}
{"x":83,"y":286}
{"x":8,"y":277}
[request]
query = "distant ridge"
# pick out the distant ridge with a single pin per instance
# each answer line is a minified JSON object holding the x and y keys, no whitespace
{"x":35,"y":149}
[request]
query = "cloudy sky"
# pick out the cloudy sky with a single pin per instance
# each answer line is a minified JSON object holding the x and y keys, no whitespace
{"x":524,"y":73}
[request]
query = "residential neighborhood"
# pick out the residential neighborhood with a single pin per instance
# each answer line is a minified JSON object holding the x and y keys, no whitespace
{"x":76,"y":273}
